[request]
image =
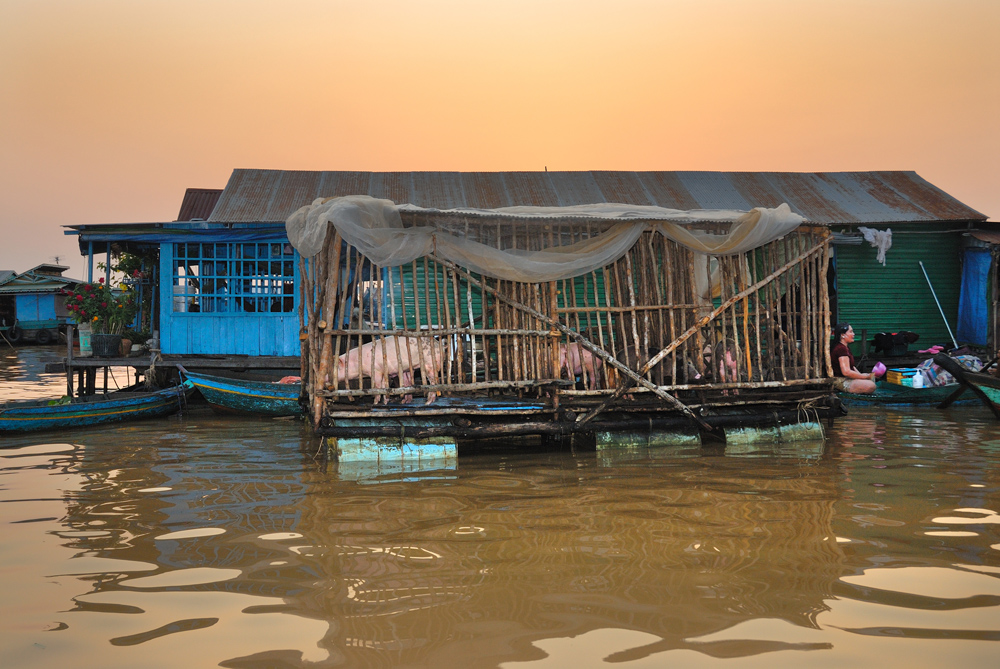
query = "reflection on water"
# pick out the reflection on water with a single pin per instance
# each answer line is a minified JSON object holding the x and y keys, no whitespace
{"x":201,"y":541}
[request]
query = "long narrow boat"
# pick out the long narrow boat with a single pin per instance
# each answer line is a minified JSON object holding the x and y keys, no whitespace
{"x":893,"y":394}
{"x":984,"y":386}
{"x":260,"y":398}
{"x":122,"y":405}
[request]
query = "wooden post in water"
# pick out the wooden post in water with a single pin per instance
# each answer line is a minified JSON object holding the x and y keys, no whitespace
{"x":69,"y":359}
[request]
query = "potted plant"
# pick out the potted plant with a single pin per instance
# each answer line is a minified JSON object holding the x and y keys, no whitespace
{"x":133,"y":339}
{"x":108,"y":311}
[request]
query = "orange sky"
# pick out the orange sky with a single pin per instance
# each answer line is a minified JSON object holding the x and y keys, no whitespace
{"x":110,"y":109}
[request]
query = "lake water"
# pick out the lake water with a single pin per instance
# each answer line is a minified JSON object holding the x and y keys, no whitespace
{"x":200,"y":541}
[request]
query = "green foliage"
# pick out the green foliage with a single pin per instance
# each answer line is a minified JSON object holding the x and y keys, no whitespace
{"x":137,"y":337}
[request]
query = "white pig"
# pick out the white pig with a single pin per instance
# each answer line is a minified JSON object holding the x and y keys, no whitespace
{"x":393,"y":356}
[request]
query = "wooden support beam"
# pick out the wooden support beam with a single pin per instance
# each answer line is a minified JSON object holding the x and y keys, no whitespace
{"x":583,"y":341}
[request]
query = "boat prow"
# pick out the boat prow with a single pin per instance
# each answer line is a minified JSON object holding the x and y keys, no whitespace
{"x":119,"y":406}
{"x":984,"y":386}
{"x":259,"y":398}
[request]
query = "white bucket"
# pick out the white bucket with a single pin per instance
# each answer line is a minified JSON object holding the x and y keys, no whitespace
{"x":180,"y":301}
{"x":85,"y":348}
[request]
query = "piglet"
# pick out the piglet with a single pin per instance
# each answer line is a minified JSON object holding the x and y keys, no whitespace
{"x":574,"y":359}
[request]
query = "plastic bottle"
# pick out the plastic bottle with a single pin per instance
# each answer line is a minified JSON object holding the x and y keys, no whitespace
{"x":918,"y":380}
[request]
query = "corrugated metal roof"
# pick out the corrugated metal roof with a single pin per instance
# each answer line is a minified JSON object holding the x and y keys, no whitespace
{"x":989,"y":236}
{"x":35,"y":282}
{"x":827,"y":198}
{"x":198,"y":203}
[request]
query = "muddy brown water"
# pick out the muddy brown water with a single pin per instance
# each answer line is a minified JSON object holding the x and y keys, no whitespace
{"x":201,"y":541}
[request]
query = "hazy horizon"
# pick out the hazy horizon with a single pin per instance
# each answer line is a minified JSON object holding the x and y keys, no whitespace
{"x":113,"y":108}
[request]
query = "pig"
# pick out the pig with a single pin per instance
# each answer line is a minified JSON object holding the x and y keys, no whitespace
{"x":393,"y":356}
{"x":574,"y":359}
{"x":660,"y":374}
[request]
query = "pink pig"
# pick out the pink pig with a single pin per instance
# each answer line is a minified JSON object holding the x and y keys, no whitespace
{"x":574,"y":358}
{"x":379,"y":360}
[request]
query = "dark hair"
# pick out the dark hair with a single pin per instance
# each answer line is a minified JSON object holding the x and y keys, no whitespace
{"x":839,"y":330}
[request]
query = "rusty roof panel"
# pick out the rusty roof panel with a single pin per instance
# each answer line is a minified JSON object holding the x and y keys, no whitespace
{"x":837,"y":196}
{"x":198,"y":203}
{"x":438,"y":190}
{"x":393,"y":186}
{"x":485,"y":190}
{"x":337,"y":184}
{"x":938,"y":204}
{"x":805,"y":196}
{"x":713,"y":190}
{"x":667,"y":190}
{"x":531,"y":189}
{"x":757,"y":188}
{"x":293,"y":190}
{"x":245,"y":196}
{"x":625,"y":187}
{"x":875,"y":199}
{"x":822,"y":197}
{"x":575,"y":188}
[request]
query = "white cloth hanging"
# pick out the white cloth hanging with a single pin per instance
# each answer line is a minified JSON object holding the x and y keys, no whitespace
{"x":880,"y":239}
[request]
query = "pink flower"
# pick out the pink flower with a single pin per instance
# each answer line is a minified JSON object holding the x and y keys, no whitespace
{"x":104,"y":304}
{"x":79,"y":298}
{"x":101,"y":280}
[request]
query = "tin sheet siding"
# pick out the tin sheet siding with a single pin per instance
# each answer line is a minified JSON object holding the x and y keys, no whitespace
{"x":896,"y":297}
{"x":253,"y":333}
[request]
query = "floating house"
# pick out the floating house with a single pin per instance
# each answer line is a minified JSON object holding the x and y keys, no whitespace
{"x":32,"y":307}
{"x":726,"y":328}
{"x":907,"y":257}
{"x":222,"y":288}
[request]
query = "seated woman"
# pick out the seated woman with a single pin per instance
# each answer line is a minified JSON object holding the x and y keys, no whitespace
{"x":849,"y":379}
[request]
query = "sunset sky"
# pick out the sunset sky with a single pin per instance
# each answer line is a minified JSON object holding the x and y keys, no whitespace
{"x":110,"y":109}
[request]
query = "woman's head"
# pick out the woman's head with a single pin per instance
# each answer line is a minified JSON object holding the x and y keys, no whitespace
{"x":840,"y":330}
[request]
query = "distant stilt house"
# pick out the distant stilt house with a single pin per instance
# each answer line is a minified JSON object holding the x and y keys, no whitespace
{"x":32,"y":307}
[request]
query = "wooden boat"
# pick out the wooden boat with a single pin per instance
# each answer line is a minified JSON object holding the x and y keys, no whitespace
{"x":890,"y":394}
{"x":261,"y":398}
{"x":123,"y":405}
{"x":986,"y":387}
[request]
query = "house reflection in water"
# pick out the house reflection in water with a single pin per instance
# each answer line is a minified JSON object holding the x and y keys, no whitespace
{"x":481,"y":560}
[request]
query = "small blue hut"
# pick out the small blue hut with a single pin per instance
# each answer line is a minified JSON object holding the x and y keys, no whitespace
{"x":32,"y":307}
{"x":219,"y":288}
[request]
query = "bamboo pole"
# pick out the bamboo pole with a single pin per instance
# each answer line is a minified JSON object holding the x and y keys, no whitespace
{"x":586,"y":343}
{"x":622,"y":388}
{"x":824,"y":287}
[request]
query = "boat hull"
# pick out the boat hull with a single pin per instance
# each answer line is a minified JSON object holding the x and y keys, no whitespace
{"x":985,"y":386}
{"x":33,"y":416}
{"x":893,"y":394}
{"x":252,"y":397}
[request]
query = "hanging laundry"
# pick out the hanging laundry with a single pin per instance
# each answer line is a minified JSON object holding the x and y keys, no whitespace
{"x":880,"y":239}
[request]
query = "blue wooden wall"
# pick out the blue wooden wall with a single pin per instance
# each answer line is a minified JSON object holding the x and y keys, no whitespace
{"x":204,"y":333}
{"x":36,"y":307}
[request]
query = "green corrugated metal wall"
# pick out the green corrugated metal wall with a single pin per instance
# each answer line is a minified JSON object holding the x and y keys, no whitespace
{"x":588,"y":290}
{"x":896,"y":297}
